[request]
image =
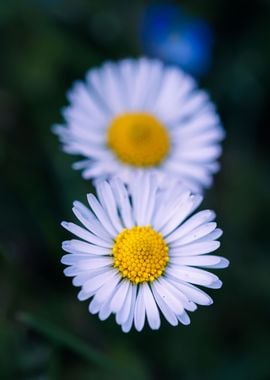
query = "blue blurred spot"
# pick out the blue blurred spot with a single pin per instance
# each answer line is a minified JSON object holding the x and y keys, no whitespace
{"x":168,"y":33}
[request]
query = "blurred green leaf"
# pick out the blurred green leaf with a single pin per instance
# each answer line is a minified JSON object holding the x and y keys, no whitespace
{"x":65,"y":339}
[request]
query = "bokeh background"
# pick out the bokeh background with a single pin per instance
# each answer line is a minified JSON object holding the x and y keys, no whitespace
{"x":45,"y":333}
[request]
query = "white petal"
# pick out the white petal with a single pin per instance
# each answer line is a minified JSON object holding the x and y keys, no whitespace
{"x":179,"y":215}
{"x":97,"y":281}
{"x":128,"y":324}
{"x":197,"y":233}
{"x":94,"y":306}
{"x":193,"y":222}
{"x":84,"y":276}
{"x":139,"y":312}
{"x":143,"y":183}
{"x":184,"y":318}
{"x":71,"y":259}
{"x":202,"y":154}
{"x":85,"y":235}
{"x":101,"y":215}
{"x":193,"y":293}
{"x":80,"y":247}
{"x":175,"y":87}
{"x":101,"y":169}
{"x":193,"y":275}
{"x":105,"y":311}
{"x":112,"y":87}
{"x":107,"y":200}
{"x":164,"y":307}
{"x":194,"y":249}
{"x":194,"y":171}
{"x":140,"y":91}
{"x":151,"y":308}
{"x":167,"y":210}
{"x":87,"y":218}
{"x":80,"y":96}
{"x":185,"y":302}
{"x":81,"y":278}
{"x":119,"y":296}
{"x":168,"y":297}
{"x":123,"y":203}
{"x":104,"y":293}
{"x":94,"y":263}
{"x":212,"y":236}
{"x":136,"y":196}
{"x":101,"y":301}
{"x":206,"y":261}
{"x":193,"y":126}
{"x":154,"y":84}
{"x":72,"y":271}
{"x":123,"y":313}
{"x":82,"y":296}
{"x":128,"y":72}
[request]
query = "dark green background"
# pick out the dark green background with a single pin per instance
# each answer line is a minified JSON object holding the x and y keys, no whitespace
{"x":45,"y":45}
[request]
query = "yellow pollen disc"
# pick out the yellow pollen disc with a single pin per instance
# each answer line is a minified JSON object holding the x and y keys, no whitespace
{"x":138,"y":139}
{"x":140,"y":254}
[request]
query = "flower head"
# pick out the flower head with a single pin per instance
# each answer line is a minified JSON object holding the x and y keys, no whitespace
{"x":138,"y":252}
{"x":169,"y":33}
{"x":140,"y":115}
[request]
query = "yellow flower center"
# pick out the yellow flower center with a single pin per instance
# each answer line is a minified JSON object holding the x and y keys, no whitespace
{"x":138,"y":139}
{"x":140,"y":254}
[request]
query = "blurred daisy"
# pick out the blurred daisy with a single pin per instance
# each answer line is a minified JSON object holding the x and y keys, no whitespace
{"x":138,"y":252}
{"x":139,"y":114}
{"x":169,"y":33}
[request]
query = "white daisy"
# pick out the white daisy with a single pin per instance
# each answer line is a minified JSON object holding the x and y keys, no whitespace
{"x":139,"y":114}
{"x":137,"y":253}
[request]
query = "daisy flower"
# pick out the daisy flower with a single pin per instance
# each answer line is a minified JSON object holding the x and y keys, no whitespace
{"x":170,"y":33}
{"x":137,"y":254}
{"x":139,"y":114}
